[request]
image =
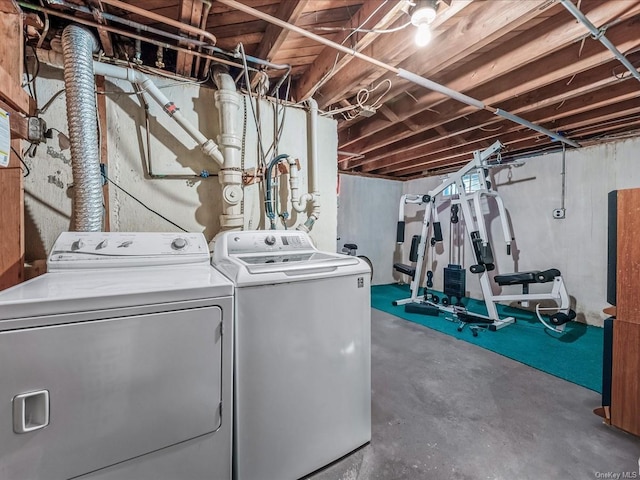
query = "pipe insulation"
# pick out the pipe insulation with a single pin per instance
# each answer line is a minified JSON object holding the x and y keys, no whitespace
{"x":78,"y":45}
{"x":412,"y":77}
{"x":230,"y":177}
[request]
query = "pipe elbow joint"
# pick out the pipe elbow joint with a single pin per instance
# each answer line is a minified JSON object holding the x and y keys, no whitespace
{"x":211,"y":149}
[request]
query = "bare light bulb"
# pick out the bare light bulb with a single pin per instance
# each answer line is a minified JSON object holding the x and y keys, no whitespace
{"x":423,"y":35}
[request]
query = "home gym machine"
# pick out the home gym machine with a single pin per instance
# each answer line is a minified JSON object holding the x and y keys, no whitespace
{"x":471,"y":205}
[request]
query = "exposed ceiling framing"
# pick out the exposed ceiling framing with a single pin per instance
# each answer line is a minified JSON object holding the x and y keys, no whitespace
{"x":531,"y":58}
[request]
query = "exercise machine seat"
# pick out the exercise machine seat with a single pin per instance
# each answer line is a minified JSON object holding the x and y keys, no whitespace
{"x":525,"y":278}
{"x":406,"y":269}
{"x":350,"y":246}
{"x":518,"y":278}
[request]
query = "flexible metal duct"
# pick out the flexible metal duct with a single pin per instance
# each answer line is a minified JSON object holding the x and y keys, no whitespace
{"x":78,"y":45}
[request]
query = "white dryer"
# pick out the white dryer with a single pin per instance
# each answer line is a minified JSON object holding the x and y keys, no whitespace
{"x":117,"y":362}
{"x":302,"y":353}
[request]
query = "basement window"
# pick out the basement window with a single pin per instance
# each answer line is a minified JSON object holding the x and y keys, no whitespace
{"x":471,"y":183}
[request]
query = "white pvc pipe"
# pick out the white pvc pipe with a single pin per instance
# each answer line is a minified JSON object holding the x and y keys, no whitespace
{"x":230,"y":176}
{"x":298,"y":204}
{"x":314,"y":195}
{"x":208,"y":146}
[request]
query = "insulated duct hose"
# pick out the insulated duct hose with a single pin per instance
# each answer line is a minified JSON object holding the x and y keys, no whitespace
{"x":78,"y":45}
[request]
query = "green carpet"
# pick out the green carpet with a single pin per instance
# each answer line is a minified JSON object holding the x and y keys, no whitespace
{"x":575,"y":355}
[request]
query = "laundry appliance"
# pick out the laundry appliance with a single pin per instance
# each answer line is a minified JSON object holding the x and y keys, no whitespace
{"x":116,"y":364}
{"x":302,"y":353}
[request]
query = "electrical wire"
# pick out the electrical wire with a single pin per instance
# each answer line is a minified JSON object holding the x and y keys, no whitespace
{"x":142,"y":203}
{"x":361,"y":98}
{"x":363,"y":30}
{"x":26,"y":171}
{"x":329,"y":74}
{"x":30,"y":83}
{"x":253,"y":110}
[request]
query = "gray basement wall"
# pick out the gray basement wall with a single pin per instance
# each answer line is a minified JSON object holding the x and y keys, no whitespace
{"x":194,"y":202}
{"x":576,"y":245}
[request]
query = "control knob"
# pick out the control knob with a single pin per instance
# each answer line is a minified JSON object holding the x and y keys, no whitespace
{"x":270,"y":240}
{"x":179,"y":243}
{"x":77,"y":245}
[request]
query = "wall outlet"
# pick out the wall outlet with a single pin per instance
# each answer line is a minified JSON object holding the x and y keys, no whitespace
{"x":559,"y":213}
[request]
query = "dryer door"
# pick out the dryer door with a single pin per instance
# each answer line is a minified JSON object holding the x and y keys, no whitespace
{"x":115,"y":389}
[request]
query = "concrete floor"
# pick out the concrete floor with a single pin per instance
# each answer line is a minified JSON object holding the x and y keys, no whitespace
{"x":447,"y":409}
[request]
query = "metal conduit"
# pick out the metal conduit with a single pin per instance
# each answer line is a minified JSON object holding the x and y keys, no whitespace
{"x":146,"y":28}
{"x":412,"y":77}
{"x":599,"y":34}
{"x":162,"y":19}
{"x":126,"y":33}
{"x":78,"y":45}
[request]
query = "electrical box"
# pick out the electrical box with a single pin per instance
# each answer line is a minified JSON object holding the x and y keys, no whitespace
{"x":559,"y":213}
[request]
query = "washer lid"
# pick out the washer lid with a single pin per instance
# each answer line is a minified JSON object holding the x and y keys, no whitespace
{"x":80,"y":290}
{"x":277,"y":256}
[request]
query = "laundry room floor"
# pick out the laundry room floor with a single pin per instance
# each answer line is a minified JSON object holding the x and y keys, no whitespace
{"x":446,"y":409}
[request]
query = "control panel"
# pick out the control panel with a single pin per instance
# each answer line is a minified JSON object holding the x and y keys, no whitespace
{"x":268,"y":241}
{"x":117,"y":249}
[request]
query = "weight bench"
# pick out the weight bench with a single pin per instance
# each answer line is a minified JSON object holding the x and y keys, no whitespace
{"x":563,"y":314}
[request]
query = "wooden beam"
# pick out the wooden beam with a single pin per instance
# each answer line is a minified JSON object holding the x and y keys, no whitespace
{"x":537,"y":43}
{"x":190,"y":13}
{"x":104,"y":154}
{"x":527,"y":138}
{"x":105,"y":37}
{"x":552,"y":116}
{"x":17,"y":122}
{"x":274,"y":36}
{"x":325,"y":64}
{"x":562,"y":64}
{"x":11,"y":240}
{"x":9,"y":6}
{"x":488,"y":23}
{"x":14,"y":95}
{"x":553,"y":95}
{"x":11,"y":187}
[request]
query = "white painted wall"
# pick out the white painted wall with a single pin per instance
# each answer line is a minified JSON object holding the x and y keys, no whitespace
{"x":367,"y":215}
{"x":192,"y":203}
{"x":577,"y":245}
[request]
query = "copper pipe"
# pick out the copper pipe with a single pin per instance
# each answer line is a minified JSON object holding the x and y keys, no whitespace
{"x":125,"y":33}
{"x":162,"y":19}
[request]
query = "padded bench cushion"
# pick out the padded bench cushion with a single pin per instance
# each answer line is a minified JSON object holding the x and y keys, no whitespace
{"x":518,"y":278}
{"x":406,"y":269}
{"x":525,"y":278}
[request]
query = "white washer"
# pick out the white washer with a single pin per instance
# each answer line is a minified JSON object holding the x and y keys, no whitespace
{"x":302,"y":353}
{"x":117,"y":363}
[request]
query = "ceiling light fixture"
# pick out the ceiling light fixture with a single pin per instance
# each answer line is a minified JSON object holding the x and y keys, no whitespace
{"x":424,"y":13}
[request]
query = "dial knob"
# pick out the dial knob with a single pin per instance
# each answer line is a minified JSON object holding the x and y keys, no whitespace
{"x":179,"y":243}
{"x":270,"y":240}
{"x":77,"y":245}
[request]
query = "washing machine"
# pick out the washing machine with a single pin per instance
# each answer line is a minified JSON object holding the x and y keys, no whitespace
{"x":302,"y":353}
{"x":116,"y":364}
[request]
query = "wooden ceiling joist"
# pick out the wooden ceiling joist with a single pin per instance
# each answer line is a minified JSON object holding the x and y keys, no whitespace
{"x":530,"y":58}
{"x":371,"y":16}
